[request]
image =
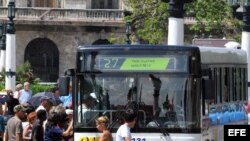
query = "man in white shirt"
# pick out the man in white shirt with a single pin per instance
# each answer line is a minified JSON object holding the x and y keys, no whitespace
{"x":123,"y":133}
{"x":25,"y":94}
{"x":46,"y":104}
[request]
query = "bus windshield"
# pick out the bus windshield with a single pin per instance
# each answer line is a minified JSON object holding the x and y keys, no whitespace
{"x":166,"y":99}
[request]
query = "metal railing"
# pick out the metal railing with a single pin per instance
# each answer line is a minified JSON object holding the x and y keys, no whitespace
{"x":95,"y":113}
{"x":59,"y":14}
{"x":50,"y":14}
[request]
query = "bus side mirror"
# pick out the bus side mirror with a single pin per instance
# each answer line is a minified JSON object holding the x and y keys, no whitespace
{"x":64,"y":85}
{"x":208,"y":89}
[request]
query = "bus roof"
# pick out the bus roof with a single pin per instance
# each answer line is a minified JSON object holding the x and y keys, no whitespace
{"x":222,"y":55}
{"x":136,"y":47}
{"x":208,"y":54}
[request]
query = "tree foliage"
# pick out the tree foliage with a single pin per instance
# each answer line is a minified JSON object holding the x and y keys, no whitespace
{"x":150,"y":19}
{"x":214,"y":17}
{"x":23,"y":74}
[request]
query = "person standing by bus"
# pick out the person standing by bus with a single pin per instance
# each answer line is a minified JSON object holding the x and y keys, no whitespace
{"x":67,"y":100}
{"x":102,"y":125}
{"x":123,"y":133}
{"x":248,"y":111}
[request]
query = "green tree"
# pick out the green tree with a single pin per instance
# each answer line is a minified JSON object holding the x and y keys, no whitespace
{"x":150,"y":19}
{"x":23,"y":74}
{"x":214,"y":17}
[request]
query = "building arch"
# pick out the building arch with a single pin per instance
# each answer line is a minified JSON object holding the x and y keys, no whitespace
{"x":43,"y":56}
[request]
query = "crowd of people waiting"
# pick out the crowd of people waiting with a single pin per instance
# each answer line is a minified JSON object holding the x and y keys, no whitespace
{"x":21,"y":121}
{"x":51,"y":120}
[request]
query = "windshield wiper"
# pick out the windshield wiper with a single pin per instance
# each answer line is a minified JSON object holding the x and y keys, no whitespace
{"x":163,"y":131}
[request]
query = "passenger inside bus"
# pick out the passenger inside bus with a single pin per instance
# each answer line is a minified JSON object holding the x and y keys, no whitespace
{"x":149,"y":93}
{"x":167,"y":105}
{"x":157,"y":86}
{"x":85,"y":114}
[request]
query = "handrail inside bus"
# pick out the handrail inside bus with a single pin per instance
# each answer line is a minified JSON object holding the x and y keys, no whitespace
{"x":104,"y":112}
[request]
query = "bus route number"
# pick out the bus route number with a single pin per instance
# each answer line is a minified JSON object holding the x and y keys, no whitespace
{"x":110,"y":63}
{"x":138,"y":139}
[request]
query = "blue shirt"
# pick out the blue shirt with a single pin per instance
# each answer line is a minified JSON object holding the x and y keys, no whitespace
{"x":25,"y":96}
{"x":66,"y":100}
{"x":53,"y":134}
{"x":2,"y":127}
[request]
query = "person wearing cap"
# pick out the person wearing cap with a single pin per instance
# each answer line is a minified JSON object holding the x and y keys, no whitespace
{"x":14,"y":128}
{"x":85,"y":114}
{"x":45,"y":104}
{"x":25,"y":94}
{"x":69,"y":113}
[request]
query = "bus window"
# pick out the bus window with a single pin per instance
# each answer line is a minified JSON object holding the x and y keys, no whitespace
{"x":169,"y":101}
{"x":156,"y":96}
{"x":217,"y":72}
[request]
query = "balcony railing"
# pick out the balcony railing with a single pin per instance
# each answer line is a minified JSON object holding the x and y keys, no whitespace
{"x":68,"y":15}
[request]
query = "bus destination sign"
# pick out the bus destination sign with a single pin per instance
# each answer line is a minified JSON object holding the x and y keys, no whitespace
{"x":133,"y":63}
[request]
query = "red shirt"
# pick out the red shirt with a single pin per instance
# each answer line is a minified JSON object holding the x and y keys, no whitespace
{"x":248,"y":107}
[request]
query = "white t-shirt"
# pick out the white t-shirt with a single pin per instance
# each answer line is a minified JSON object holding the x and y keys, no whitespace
{"x":122,"y":132}
{"x":40,"y":108}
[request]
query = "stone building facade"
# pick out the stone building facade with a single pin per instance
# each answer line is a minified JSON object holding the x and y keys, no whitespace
{"x":48,"y":32}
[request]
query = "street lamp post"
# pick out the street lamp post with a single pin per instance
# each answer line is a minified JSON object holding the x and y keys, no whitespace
{"x":2,"y":46}
{"x":245,"y":38}
{"x":176,"y":21}
{"x":10,"y":68}
{"x":128,"y":32}
{"x":235,"y":5}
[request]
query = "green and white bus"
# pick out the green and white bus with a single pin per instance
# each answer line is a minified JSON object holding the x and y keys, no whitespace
{"x":180,"y":93}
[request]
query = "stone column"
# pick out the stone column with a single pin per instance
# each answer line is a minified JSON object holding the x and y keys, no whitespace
{"x":10,"y":67}
{"x":176,"y":21}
